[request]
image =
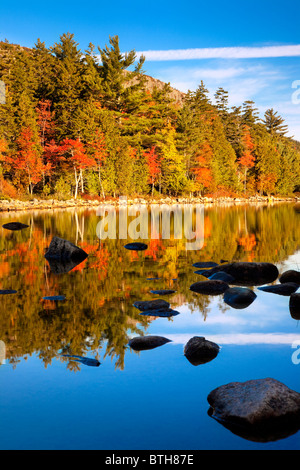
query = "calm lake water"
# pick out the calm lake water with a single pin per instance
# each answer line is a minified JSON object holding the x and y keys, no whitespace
{"x":51,"y":398}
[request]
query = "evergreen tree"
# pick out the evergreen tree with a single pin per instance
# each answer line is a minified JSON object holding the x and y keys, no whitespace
{"x":274,"y":123}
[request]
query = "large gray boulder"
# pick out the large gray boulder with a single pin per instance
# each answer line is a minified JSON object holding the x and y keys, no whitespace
{"x":199,"y":350}
{"x":259,"y":410}
{"x":246,"y":273}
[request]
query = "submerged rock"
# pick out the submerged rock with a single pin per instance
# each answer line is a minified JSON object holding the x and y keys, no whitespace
{"x":239,"y":297}
{"x":63,"y":255}
{"x":54,"y":297}
{"x":290,"y":276}
{"x":205,"y":264}
{"x":136,"y":246}
{"x":7,"y":291}
{"x":15,"y":226}
{"x":199,"y":350}
{"x":222,"y":276}
{"x":87,"y":361}
{"x":157,"y":304}
{"x":163,"y":292}
{"x":247,"y":273}
{"x":141,"y":343}
{"x":260,"y":410}
{"x":203,"y":272}
{"x":168,"y":312}
{"x":294,"y":306}
{"x":209,"y":287}
{"x":287,"y":288}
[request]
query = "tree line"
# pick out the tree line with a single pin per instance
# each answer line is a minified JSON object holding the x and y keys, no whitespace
{"x":78,"y":123}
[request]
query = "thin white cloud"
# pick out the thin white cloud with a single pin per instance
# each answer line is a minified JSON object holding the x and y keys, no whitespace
{"x":242,"y":339}
{"x":222,"y":53}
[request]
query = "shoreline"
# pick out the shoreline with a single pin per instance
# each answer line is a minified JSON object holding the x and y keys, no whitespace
{"x":17,"y":205}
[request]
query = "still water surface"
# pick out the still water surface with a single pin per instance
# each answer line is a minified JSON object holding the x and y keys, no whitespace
{"x":156,"y":399}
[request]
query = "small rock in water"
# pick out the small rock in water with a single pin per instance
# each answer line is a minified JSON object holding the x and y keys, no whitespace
{"x":198,"y":350}
{"x":287,"y":288}
{"x":7,"y":291}
{"x":294,"y":306}
{"x":142,"y":343}
{"x":15,"y":226}
{"x":163,"y":292}
{"x":205,"y":264}
{"x":239,"y":297}
{"x":222,"y":276}
{"x":160,"y":313}
{"x":87,"y":361}
{"x":54,"y":297}
{"x":136,"y":246}
{"x":157,"y":304}
{"x":260,"y":410}
{"x":209,"y":287}
{"x":290,"y":276}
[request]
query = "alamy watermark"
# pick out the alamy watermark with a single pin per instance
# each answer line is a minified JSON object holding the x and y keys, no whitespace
{"x":296,"y":354}
{"x":2,"y":92}
{"x":296,"y":94}
{"x":138,"y":221}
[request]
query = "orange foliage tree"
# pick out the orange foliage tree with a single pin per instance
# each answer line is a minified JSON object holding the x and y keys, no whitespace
{"x":247,"y":160}
{"x":202,"y":170}
{"x":154,"y":165}
{"x":99,"y":153}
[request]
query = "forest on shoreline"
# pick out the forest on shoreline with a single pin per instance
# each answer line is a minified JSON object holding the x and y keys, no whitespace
{"x":85,"y":123}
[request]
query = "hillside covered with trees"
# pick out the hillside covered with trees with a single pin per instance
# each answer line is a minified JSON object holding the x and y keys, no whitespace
{"x":73,"y":125}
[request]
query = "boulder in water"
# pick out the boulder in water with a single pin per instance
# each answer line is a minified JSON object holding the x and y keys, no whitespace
{"x":287,"y":288}
{"x":157,"y":304}
{"x":209,"y":287}
{"x":199,"y":350}
{"x":294,"y":306}
{"x":239,"y":297}
{"x":260,"y":410}
{"x":141,"y":343}
{"x":15,"y":226}
{"x":248,"y":273}
{"x":290,"y":276}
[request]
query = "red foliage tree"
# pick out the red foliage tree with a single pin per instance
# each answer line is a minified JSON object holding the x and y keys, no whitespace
{"x":247,"y":160}
{"x":154,"y":165}
{"x":201,"y":170}
{"x":28,"y":158}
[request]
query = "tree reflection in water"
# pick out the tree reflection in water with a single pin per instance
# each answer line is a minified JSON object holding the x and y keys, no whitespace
{"x":97,"y":316}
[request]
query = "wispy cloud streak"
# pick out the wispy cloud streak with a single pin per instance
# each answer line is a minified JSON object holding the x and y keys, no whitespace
{"x":223,"y":53}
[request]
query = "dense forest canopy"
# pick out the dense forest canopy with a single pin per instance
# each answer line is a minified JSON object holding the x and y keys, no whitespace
{"x":86,"y":122}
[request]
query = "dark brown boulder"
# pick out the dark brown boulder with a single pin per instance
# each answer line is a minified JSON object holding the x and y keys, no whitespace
{"x":209,"y":287}
{"x":136,"y":246}
{"x":63,"y":255}
{"x":15,"y":226}
{"x":239,"y":297}
{"x":290,"y":276}
{"x":199,"y":350}
{"x":141,"y":343}
{"x":287,"y":288}
{"x":157,"y":304}
{"x":294,"y":306}
{"x":246,"y":273}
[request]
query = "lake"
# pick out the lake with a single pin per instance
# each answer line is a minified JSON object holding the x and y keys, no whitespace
{"x":55,"y":395}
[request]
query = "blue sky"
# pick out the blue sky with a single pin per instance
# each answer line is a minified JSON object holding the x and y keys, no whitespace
{"x":195,"y":37}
